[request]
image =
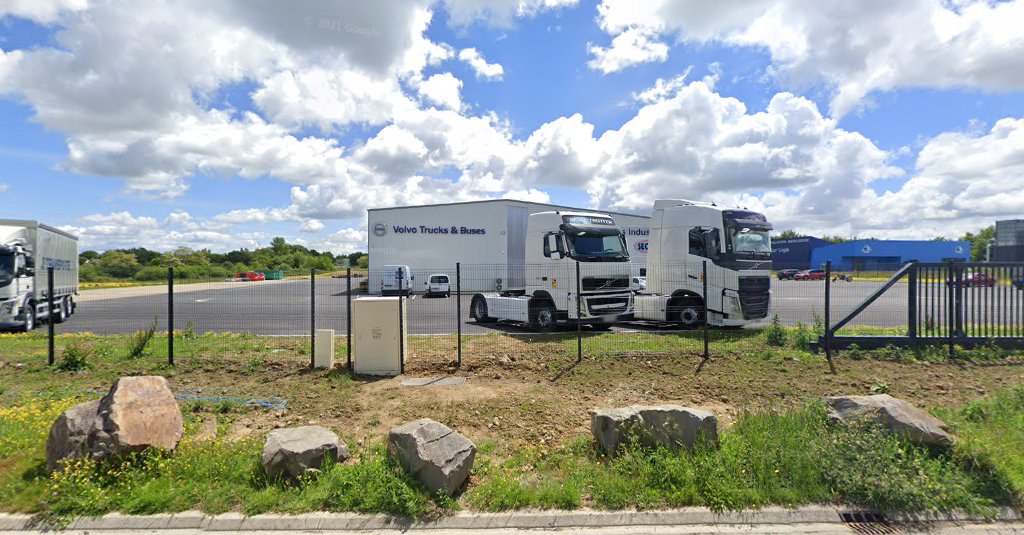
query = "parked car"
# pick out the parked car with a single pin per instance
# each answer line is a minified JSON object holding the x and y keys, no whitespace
{"x":437,"y":284}
{"x":250,"y":276}
{"x":810,"y":275}
{"x":974,"y":279}
{"x":1019,"y":283}
{"x":785,"y":274}
{"x":639,"y":284}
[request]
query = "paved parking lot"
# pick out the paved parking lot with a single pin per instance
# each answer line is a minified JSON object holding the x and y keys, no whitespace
{"x":283,"y":307}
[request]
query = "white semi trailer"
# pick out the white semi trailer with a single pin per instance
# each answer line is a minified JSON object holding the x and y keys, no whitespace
{"x":27,"y":250}
{"x":737,"y":248}
{"x":558,"y":242}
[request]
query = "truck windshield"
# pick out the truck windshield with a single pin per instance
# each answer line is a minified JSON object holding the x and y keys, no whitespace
{"x":6,"y":267}
{"x":746,"y":242}
{"x":597,"y":247}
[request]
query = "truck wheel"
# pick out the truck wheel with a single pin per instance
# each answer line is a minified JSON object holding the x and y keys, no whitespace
{"x":478,"y":309}
{"x":544,"y":318}
{"x":30,"y":319}
{"x":690,"y":313}
{"x":62,"y":311}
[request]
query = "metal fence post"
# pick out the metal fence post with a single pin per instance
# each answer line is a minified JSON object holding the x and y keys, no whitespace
{"x":579,"y":318}
{"x":828,"y":316}
{"x":704,"y":282}
{"x":51,"y":350}
{"x":401,"y":324}
{"x":348,"y":319}
{"x":170,"y":316}
{"x":950,"y":322}
{"x":912,"y":305}
{"x":458,"y":310}
{"x":312,"y":318}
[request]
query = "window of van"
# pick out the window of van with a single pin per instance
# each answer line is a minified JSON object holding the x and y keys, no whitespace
{"x":439,"y":279}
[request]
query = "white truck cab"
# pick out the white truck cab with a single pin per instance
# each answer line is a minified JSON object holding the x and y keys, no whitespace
{"x":557,"y":243}
{"x":736,"y":246}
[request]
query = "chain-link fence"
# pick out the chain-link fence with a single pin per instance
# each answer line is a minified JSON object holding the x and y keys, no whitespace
{"x":600,"y":308}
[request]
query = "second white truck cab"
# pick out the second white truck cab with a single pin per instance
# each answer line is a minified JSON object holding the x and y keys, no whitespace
{"x":736,"y":246}
{"x":556,"y":244}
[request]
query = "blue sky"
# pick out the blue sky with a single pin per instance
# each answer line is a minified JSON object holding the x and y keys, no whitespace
{"x":223,"y":127}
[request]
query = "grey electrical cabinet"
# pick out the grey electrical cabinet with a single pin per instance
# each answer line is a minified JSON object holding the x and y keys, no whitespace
{"x":379,"y":340}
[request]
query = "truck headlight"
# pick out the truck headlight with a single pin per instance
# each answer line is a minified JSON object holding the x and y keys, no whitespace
{"x":731,"y":302}
{"x":7,"y":308}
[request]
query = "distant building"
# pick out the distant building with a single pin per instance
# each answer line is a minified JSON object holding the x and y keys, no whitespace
{"x":794,"y":253}
{"x":888,"y":255}
{"x":1009,"y":244}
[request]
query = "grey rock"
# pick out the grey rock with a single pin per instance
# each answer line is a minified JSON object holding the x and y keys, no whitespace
{"x":69,"y":435}
{"x":294,"y":451}
{"x":137,"y":413}
{"x":440,"y":458}
{"x":669,"y":426}
{"x":896,"y":415}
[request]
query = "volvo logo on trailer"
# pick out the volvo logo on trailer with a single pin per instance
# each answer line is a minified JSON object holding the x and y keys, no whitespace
{"x":380,"y":229}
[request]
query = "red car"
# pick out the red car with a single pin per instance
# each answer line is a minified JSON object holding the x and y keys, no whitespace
{"x":810,"y":275}
{"x":251,"y":276}
{"x":974,"y":278}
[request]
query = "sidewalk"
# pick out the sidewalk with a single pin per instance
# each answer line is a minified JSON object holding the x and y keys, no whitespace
{"x":812,"y":519}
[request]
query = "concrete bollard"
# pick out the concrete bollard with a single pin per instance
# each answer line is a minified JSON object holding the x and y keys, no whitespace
{"x":323,"y":353}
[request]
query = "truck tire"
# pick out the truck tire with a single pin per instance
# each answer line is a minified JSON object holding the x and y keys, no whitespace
{"x":478,"y":309}
{"x":62,"y":311}
{"x":543,"y":317}
{"x":688,"y":312}
{"x":30,"y":319}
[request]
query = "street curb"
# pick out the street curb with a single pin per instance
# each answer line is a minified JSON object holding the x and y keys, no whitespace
{"x":525,"y":519}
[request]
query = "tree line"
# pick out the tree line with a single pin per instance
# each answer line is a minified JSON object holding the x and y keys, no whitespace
{"x":142,"y":264}
{"x":978,"y":241}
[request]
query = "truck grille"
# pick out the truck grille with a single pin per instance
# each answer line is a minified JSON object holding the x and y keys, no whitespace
{"x":754,"y":297}
{"x":604,"y":283}
{"x":602,"y":306}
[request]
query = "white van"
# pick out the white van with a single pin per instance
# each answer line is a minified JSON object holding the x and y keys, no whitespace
{"x":437,"y":284}
{"x":390,"y":282}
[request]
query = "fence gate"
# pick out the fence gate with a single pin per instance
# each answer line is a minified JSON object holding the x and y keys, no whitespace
{"x":954,"y":303}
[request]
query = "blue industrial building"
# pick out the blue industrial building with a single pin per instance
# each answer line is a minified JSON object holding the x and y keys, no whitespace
{"x":808,"y":252}
{"x":794,"y":253}
{"x":888,"y":255}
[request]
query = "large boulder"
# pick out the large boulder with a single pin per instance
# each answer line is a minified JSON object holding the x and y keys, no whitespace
{"x":69,"y":435}
{"x":436,"y":455}
{"x":294,"y":451}
{"x":668,"y":426}
{"x":137,"y":413}
{"x":894,"y":414}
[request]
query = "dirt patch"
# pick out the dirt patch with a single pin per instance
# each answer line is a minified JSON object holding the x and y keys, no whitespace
{"x":518,"y":390}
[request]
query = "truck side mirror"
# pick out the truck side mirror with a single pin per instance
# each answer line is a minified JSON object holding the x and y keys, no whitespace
{"x":555,"y":252}
{"x":711,"y":243}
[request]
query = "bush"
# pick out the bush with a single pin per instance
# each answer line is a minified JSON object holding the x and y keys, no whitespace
{"x":151,"y":273}
{"x":137,"y":342}
{"x":775,"y":333}
{"x":75,"y":357}
{"x":802,"y":337}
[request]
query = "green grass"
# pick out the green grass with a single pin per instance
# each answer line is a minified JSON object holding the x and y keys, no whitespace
{"x":992,"y":436}
{"x":790,"y":459}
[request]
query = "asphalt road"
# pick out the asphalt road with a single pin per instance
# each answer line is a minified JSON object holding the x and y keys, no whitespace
{"x":283,"y":307}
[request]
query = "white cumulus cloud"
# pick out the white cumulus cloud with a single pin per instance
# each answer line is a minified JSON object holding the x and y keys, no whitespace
{"x":490,"y":71}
